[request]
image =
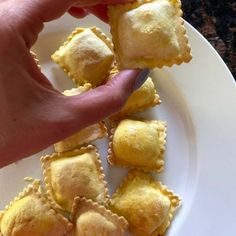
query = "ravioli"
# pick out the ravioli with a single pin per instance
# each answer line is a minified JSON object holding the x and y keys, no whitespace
{"x":149,"y":34}
{"x":31,"y":214}
{"x":146,"y":204}
{"x":84,"y":136}
{"x":138,"y":143}
{"x":71,"y":174}
{"x":90,"y":218}
{"x":86,"y":56}
{"x":143,"y":98}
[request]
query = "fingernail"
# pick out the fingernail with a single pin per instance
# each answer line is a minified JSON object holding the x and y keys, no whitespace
{"x":141,"y":78}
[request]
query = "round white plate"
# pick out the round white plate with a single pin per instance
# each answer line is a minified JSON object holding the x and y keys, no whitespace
{"x":199,"y":105}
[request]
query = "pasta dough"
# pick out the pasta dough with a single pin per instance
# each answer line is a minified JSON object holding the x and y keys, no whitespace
{"x":30,"y":214}
{"x":90,"y":218}
{"x":86,"y":56}
{"x":71,"y":174}
{"x":145,"y":203}
{"x":143,"y":98}
{"x":137,"y":143}
{"x":148,"y":34}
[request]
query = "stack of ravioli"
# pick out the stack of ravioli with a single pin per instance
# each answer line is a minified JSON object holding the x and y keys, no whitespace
{"x":74,"y":200}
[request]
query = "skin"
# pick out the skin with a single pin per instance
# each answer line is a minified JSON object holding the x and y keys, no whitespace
{"x":33,"y":114}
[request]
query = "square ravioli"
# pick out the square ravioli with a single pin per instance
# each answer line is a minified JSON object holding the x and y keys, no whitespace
{"x":146,"y":204}
{"x":138,"y":143}
{"x":90,"y":218}
{"x":149,"y":34}
{"x":31,"y":214}
{"x":86,"y":56}
{"x":143,"y":98}
{"x":85,"y":135}
{"x":71,"y":174}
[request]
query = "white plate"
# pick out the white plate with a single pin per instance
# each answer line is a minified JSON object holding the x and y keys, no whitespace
{"x":199,"y":104}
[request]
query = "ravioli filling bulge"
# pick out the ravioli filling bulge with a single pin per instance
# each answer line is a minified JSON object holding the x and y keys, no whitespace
{"x":149,"y":31}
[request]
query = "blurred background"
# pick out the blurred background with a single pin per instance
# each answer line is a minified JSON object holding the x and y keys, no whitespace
{"x":216,"y":20}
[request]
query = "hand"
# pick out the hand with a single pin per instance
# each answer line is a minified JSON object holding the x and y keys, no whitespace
{"x":98,"y":8}
{"x":34,"y":115}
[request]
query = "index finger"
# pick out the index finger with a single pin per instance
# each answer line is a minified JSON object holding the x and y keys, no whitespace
{"x":100,"y":10}
{"x":89,"y":3}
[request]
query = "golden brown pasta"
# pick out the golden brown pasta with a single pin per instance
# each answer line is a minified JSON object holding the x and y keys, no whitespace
{"x":146,"y":204}
{"x":75,"y":173}
{"x":90,"y":218}
{"x":31,"y":214}
{"x":143,"y":98}
{"x":139,"y":144}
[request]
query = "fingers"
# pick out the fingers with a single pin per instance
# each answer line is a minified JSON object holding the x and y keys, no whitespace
{"x":28,"y":16}
{"x":99,"y":103}
{"x":89,"y":3}
{"x":78,"y":12}
{"x":100,"y":11}
{"x":53,"y":117}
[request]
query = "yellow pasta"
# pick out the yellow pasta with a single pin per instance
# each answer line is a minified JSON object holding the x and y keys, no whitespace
{"x":149,"y":34}
{"x":146,"y":204}
{"x":87,"y":56}
{"x":75,"y":173}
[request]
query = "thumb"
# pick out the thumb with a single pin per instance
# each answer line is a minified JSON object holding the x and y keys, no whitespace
{"x":56,"y":117}
{"x":99,"y":103}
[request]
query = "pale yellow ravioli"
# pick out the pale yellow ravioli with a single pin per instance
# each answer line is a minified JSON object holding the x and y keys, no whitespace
{"x":138,"y":143}
{"x":91,"y":219}
{"x":71,"y":174}
{"x":143,"y":98}
{"x":145,"y":203}
{"x":85,"y":135}
{"x":148,"y":34}
{"x":86,"y":56}
{"x":30,"y":214}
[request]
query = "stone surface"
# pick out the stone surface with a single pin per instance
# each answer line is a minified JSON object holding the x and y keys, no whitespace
{"x":216,"y":20}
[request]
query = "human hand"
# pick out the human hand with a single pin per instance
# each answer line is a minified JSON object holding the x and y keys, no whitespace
{"x":98,"y":8}
{"x":34,"y":115}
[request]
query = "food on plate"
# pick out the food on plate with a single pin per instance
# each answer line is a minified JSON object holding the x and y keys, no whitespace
{"x":75,"y":173}
{"x":149,"y":34}
{"x":146,"y":204}
{"x":138,"y":143}
{"x":143,"y":98}
{"x":31,"y":214}
{"x":86,"y":56}
{"x":85,"y":135}
{"x":90,"y":218}
{"x":146,"y":34}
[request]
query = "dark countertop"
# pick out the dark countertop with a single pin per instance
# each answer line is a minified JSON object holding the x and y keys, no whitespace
{"x":216,"y":20}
